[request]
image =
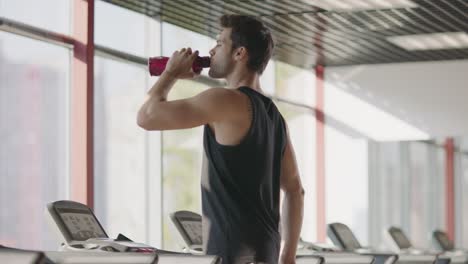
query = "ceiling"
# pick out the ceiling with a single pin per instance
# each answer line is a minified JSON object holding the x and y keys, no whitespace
{"x":307,"y":35}
{"x":411,"y":100}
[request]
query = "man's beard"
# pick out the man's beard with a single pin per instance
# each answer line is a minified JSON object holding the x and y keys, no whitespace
{"x":215,"y":73}
{"x":218,"y":71}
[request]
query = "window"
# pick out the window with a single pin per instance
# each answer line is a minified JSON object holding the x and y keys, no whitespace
{"x":301,"y":123}
{"x":346,"y":181}
{"x":464,"y":212}
{"x":126,"y":31}
{"x":461,"y":193}
{"x":427,"y":192}
{"x":295,"y":84}
{"x":182,"y":168}
{"x":267,"y":79}
{"x":182,"y":149}
{"x":34,"y":152}
{"x":176,"y":38}
{"x":406,"y":190}
{"x":53,"y":15}
{"x":127,"y":159}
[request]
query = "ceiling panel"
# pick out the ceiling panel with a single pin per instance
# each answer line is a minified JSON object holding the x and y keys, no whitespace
{"x":307,"y":35}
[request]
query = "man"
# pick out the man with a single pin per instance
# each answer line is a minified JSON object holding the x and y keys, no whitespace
{"x":250,"y":156}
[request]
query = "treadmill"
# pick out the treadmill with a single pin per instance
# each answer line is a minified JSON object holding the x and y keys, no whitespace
{"x":189,"y":225}
{"x":442,"y":242}
{"x":19,"y":256}
{"x":85,"y":241}
{"x":400,"y":242}
{"x":342,"y":237}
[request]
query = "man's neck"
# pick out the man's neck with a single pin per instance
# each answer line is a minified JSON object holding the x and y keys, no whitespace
{"x":245,"y":78}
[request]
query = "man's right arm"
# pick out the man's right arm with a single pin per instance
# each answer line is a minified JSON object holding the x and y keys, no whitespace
{"x":293,"y":204}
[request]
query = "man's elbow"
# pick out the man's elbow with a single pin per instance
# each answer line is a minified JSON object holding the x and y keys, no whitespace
{"x":295,"y":189}
{"x":300,"y":192}
{"x":145,"y":122}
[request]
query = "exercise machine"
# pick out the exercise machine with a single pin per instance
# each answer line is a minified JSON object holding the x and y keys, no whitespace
{"x":189,"y":225}
{"x":442,"y":242}
{"x":342,"y":236}
{"x":85,"y":241}
{"x":400,"y":242}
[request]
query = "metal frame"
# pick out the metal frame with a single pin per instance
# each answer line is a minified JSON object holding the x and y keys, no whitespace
{"x":25,"y":30}
{"x":320,"y":154}
{"x":82,"y":104}
{"x":450,"y":188}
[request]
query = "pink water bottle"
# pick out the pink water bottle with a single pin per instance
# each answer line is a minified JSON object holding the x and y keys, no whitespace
{"x":157,"y":65}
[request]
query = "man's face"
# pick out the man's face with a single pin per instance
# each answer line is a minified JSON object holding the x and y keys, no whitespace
{"x":221,"y":55}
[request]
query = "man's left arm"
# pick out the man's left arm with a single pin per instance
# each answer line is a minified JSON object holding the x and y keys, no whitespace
{"x":293,"y":204}
{"x":210,"y":106}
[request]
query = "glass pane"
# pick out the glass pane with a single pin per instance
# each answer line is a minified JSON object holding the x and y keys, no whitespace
{"x":427,"y":194}
{"x":34,"y":153}
{"x":176,"y":38}
{"x":407,"y":190}
{"x":301,"y":123}
{"x":182,"y":161}
{"x":346,"y":162}
{"x":464,"y":202}
{"x":121,"y":29}
{"x":267,"y":79}
{"x":54,"y":15}
{"x":126,"y":160}
{"x":388,"y":192}
{"x":295,"y":84}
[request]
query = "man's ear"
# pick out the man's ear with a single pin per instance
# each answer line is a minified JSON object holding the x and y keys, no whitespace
{"x":240,"y":53}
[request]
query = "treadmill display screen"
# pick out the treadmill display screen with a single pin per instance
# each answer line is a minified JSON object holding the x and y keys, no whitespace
{"x":81,"y":224}
{"x":193,"y":230}
{"x":400,"y":239}
{"x":444,"y":241}
{"x":350,"y":242}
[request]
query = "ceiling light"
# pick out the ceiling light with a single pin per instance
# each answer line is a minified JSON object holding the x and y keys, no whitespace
{"x":359,"y":5}
{"x":451,"y":40}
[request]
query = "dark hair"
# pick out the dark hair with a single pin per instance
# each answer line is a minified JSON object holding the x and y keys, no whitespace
{"x":252,"y":34}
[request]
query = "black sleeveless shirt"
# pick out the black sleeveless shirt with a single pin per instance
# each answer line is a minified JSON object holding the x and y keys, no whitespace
{"x":241,"y":190}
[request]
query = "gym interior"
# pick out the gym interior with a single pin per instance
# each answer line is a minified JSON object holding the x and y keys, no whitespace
{"x":374,"y":93}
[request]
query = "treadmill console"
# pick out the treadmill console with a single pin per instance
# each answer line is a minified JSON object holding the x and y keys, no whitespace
{"x":442,"y":241}
{"x":399,"y":237}
{"x":189,"y":225}
{"x":82,"y":231}
{"x":343,"y":237}
{"x":75,"y":221}
{"x":87,"y":242}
